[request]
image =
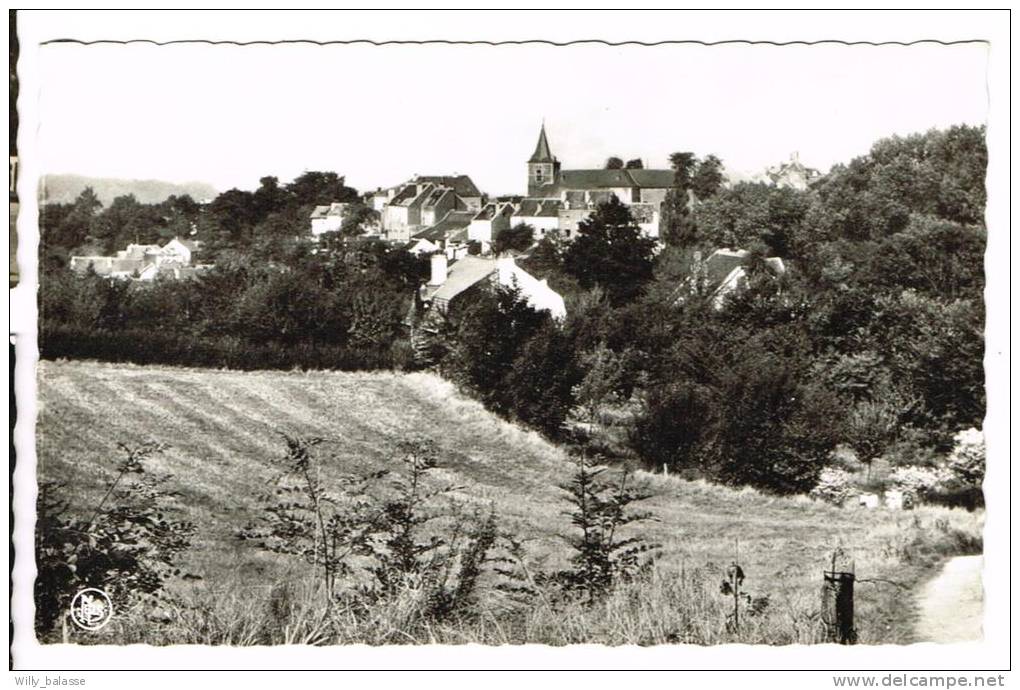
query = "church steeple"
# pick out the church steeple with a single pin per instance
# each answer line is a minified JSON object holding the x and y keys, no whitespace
{"x":542,"y":152}
{"x":543,"y":169}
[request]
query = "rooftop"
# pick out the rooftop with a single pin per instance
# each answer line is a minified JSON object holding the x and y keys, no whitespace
{"x":539,"y":208}
{"x":461,"y":184}
{"x":542,"y":154}
{"x":447,"y":227}
{"x":461,"y":276}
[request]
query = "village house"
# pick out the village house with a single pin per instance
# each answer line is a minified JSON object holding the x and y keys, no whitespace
{"x":439,"y":202}
{"x":489,"y":222}
{"x":449,"y":235}
{"x":724,"y":273}
{"x":144,"y":261}
{"x":423,"y":202}
{"x":541,"y":214}
{"x":792,"y":174}
{"x":328,"y":218}
{"x":452,"y":283}
{"x":380,"y":198}
{"x":462,"y":185}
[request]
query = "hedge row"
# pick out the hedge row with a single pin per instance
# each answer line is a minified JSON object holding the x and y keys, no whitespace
{"x":149,"y":347}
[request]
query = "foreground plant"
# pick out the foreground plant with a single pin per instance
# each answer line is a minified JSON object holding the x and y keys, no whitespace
{"x":602,"y":557}
{"x":128,"y":546}
{"x":383,"y":535}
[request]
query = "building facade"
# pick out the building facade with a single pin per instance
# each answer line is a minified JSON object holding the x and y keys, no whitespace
{"x":579,"y":192}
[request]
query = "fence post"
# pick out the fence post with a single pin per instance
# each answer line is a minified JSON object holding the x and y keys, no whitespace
{"x":838,"y":600}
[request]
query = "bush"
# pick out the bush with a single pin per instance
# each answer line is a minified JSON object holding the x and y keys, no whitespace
{"x":378,"y":540}
{"x":144,"y":346}
{"x":602,"y":556}
{"x":923,"y":483}
{"x":834,"y":486}
{"x":966,"y":465}
{"x":955,"y":482}
{"x":128,"y":546}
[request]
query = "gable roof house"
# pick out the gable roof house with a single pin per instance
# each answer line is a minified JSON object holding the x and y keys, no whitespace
{"x":143,"y":261}
{"x":179,"y":250}
{"x":462,"y":185}
{"x":381,"y":197}
{"x":450,"y":234}
{"x":541,"y":214}
{"x":439,"y":202}
{"x":723,"y":273}
{"x":423,"y":201}
{"x":403,"y":214}
{"x":421,"y":245}
{"x":450,"y":284}
{"x":328,"y":218}
{"x":489,"y":222}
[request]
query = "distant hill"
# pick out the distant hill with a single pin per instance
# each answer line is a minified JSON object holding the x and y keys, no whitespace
{"x":66,"y":188}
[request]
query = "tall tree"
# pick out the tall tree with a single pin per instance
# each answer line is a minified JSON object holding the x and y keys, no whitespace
{"x":519,"y":238}
{"x":268,"y":198}
{"x":676,"y":225}
{"x":612,"y":252}
{"x":320,"y":188}
{"x":684,"y":164}
{"x":635,"y":164}
{"x":614,"y":163}
{"x":707,"y":178}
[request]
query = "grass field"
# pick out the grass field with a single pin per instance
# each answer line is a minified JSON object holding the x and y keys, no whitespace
{"x":222,"y":428}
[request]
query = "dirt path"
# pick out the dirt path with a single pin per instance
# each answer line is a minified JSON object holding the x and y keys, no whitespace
{"x":952,"y":604}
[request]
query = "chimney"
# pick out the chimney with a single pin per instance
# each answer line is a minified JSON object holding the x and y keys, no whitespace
{"x":438,"y":276}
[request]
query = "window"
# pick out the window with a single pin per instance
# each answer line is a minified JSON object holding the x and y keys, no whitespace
{"x":539,"y":174}
{"x":635,"y":195}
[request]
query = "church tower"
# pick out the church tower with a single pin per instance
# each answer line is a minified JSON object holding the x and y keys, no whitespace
{"x":543,"y":168}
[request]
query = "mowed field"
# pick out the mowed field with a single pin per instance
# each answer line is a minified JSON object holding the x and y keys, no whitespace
{"x":222,"y":428}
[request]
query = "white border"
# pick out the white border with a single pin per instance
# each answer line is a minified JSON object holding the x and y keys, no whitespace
{"x":701,"y":25}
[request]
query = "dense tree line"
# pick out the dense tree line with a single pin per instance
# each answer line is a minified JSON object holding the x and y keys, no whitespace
{"x":336,"y":305}
{"x":872,"y":339}
{"x":264,"y":223}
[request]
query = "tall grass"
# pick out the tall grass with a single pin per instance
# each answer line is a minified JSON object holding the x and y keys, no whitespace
{"x":221,"y":426}
{"x":673,"y":603}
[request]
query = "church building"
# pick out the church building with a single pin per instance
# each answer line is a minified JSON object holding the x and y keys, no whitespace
{"x":575,"y":193}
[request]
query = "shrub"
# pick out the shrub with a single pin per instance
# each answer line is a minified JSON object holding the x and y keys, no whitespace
{"x":966,"y":465}
{"x":602,"y":557}
{"x":967,"y":460}
{"x":140,"y":346}
{"x":378,"y":539}
{"x":834,"y":486}
{"x":303,"y":518}
{"x":924,"y":483}
{"x":127,"y":547}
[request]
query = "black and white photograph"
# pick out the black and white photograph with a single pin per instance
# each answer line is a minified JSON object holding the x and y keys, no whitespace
{"x":337,"y":332}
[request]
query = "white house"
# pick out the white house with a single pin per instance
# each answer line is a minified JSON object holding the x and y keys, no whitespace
{"x":449,"y":282}
{"x":328,"y":218}
{"x":490,"y":221}
{"x":541,"y":214}
{"x":725,"y":272}
{"x":178,"y":250}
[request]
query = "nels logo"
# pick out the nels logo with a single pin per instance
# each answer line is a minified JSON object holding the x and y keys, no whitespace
{"x":91,"y":609}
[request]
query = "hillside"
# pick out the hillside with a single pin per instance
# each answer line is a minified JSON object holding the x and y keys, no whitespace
{"x":222,"y":426}
{"x":64,"y":189}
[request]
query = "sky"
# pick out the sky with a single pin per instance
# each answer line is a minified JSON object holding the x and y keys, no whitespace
{"x":228,"y":115}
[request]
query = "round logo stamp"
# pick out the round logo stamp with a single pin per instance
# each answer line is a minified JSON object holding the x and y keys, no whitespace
{"x":91,"y":609}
